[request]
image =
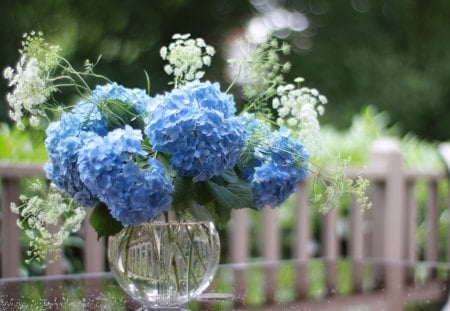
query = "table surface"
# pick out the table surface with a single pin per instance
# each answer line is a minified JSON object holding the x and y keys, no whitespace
{"x":99,"y":291}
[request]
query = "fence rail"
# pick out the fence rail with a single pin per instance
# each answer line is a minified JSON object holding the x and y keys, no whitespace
{"x":384,"y":234}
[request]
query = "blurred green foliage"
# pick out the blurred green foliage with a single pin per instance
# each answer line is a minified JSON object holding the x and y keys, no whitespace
{"x":389,"y":54}
{"x":127,"y":34}
{"x":17,"y":146}
{"x":354,"y":143}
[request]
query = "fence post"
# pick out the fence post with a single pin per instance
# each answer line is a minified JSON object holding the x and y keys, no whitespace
{"x":239,"y":252}
{"x":94,"y":252}
{"x":386,"y":155}
{"x":10,"y":232}
{"x":271,"y":251}
{"x":330,"y":249}
{"x":301,"y":240}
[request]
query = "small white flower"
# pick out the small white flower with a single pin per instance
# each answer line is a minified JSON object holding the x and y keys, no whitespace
{"x":168,"y":69}
{"x":14,"y":208}
{"x":8,"y":73}
{"x":275,"y":103}
{"x":199,"y":74}
{"x":283,"y":112}
{"x":190,"y":76}
{"x":190,"y":42}
{"x":289,"y":87}
{"x":200,"y":42}
{"x":178,"y":72}
{"x":320,"y":110}
{"x":176,"y":36}
{"x":285,"y":48}
{"x":163,"y":52}
{"x":206,"y":60}
{"x":274,"y":43}
{"x":210,"y":50}
{"x":286,"y":67}
{"x":323,"y":99}
{"x":34,"y":121}
{"x":292,"y":121}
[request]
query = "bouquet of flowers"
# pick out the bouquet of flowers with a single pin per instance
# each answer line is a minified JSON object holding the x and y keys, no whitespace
{"x":133,"y":156}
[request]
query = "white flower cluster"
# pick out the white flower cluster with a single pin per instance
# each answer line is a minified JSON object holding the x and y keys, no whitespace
{"x":49,"y":221}
{"x":30,"y":91}
{"x":259,"y":69}
{"x":186,"y":56}
{"x":299,"y":108}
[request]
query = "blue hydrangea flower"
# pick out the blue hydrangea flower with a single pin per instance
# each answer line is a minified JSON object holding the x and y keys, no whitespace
{"x":137,"y":97}
{"x":133,"y":194}
{"x":277,"y":165}
{"x":272,"y":185}
{"x":63,"y":142}
{"x":194,"y":126}
{"x":89,"y":118}
{"x":208,"y":95}
{"x":75,"y":128}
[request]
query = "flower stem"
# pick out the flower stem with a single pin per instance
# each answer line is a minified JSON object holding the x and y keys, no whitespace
{"x":174,"y":263}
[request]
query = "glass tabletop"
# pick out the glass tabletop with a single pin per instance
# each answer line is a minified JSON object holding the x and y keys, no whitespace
{"x":251,"y":286}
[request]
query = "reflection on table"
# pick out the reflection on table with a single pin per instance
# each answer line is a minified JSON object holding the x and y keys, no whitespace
{"x":245,"y":287}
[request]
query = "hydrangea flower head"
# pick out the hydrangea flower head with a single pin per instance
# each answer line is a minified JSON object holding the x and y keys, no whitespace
{"x":132,"y":194}
{"x":137,"y":97}
{"x":208,"y":95}
{"x":63,"y":142}
{"x":272,"y":185}
{"x":193,"y":125}
{"x":277,"y":163}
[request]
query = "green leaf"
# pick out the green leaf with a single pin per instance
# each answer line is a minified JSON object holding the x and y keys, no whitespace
{"x":182,"y":195}
{"x":201,"y":194}
{"x":183,"y":189}
{"x":119,"y":113}
{"x":220,"y":216}
{"x":230,"y":192}
{"x":103,"y":223}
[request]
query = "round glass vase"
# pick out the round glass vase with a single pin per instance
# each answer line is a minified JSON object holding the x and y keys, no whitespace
{"x":166,"y":262}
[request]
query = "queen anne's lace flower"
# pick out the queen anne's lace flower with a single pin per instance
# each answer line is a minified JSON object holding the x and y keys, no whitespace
{"x":299,"y":108}
{"x":30,"y":90}
{"x":133,"y":194}
{"x":186,"y":57}
{"x":194,"y":125}
{"x":40,"y":214}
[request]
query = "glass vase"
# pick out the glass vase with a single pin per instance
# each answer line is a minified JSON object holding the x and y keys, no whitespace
{"x":166,"y":262}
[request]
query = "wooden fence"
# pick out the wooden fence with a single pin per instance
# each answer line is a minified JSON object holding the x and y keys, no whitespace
{"x":384,"y":236}
{"x":11,"y":176}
